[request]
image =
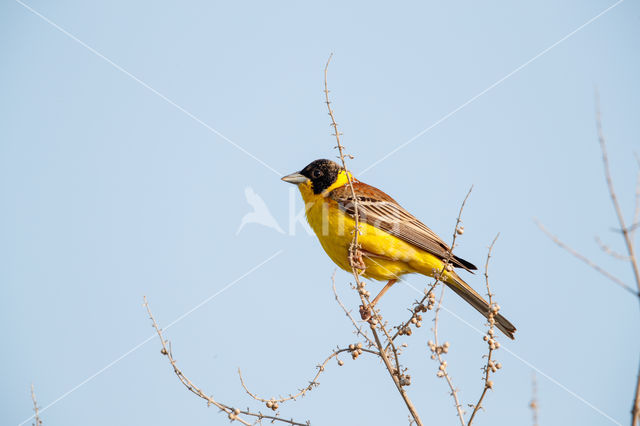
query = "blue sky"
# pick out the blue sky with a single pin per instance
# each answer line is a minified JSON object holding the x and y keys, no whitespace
{"x":123,"y":173}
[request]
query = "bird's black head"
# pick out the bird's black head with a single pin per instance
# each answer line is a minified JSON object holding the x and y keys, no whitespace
{"x":321,"y":173}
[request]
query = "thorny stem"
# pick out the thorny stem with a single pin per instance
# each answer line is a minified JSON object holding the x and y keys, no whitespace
{"x":354,"y":255}
{"x":312,"y":383}
{"x":454,"y":392}
{"x":414,"y":311}
{"x":490,"y":364}
{"x":437,"y":346}
{"x":359,"y":330}
{"x":233,"y":413}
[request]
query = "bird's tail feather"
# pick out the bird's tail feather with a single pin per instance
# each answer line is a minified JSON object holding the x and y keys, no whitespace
{"x":463,"y":290}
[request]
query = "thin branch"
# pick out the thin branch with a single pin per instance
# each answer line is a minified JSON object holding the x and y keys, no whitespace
{"x":353,"y":258}
{"x":611,"y":252}
{"x":357,"y":349}
{"x":614,"y":200}
{"x":359,"y":330}
{"x":534,"y":399}
{"x":356,"y":263}
{"x":584,"y":259}
{"x":627,"y":234}
{"x":438,"y":350}
{"x":490,"y":338}
{"x":426,"y":303}
{"x":232,"y":413}
{"x":36,"y":409}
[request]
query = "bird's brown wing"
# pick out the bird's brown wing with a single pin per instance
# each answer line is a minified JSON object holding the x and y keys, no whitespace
{"x":380,"y":210}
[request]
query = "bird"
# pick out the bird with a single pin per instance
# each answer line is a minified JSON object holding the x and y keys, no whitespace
{"x":392,"y":242}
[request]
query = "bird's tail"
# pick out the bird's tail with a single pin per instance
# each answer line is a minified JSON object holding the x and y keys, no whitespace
{"x":463,"y":290}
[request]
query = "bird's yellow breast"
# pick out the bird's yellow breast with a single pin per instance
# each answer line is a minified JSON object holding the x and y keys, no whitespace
{"x":385,"y":256}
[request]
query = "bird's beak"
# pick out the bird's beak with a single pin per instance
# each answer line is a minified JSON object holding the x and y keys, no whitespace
{"x":295,"y":178}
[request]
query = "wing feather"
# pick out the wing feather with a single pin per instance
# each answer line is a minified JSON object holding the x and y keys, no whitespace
{"x":380,"y":210}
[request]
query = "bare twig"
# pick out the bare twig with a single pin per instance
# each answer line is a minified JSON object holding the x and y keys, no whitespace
{"x":359,"y":330}
{"x":356,"y":264}
{"x":353,"y":255}
{"x":234,"y":414}
{"x":313,"y":382}
{"x":583,"y":258}
{"x":425,"y":304}
{"x":534,"y":399}
{"x":627,"y":235}
{"x":438,"y":350}
{"x":490,"y":338}
{"x":36,"y":409}
{"x":611,"y":252}
{"x":458,"y":230}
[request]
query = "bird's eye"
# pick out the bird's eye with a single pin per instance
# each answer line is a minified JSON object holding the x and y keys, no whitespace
{"x":316,"y":173}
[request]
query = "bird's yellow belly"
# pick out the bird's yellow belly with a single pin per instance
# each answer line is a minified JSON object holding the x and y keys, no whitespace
{"x":385,"y":256}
